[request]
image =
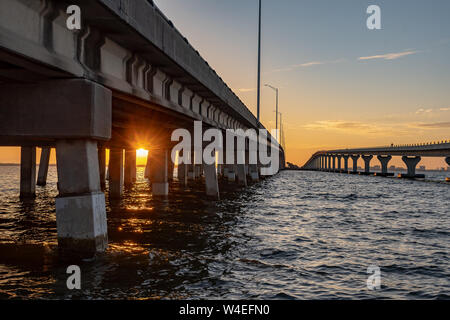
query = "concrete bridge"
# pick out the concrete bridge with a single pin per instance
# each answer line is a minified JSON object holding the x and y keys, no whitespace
{"x":124,"y":81}
{"x":338,"y":160}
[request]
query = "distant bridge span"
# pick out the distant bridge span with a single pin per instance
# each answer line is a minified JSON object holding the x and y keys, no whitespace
{"x":330,"y":160}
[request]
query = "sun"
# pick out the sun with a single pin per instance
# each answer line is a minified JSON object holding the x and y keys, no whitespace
{"x":142,"y":153}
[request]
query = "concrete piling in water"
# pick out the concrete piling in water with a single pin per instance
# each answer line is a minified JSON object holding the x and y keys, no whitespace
{"x":355,"y":158}
{"x":159,"y":172}
{"x":116,"y":177}
{"x":411,"y":163}
{"x":384,"y":160}
{"x":28,"y":172}
{"x":130,"y":167}
{"x":367,"y":159}
{"x":242,"y":177}
{"x":43,"y":166}
{"x":102,"y":166}
{"x":345,"y":157}
{"x":211,"y":181}
{"x":80,"y":205}
{"x":231,"y":172}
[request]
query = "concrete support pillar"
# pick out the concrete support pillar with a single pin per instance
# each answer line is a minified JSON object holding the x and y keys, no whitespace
{"x":43,"y":166}
{"x":339,"y":162}
{"x":355,"y":162}
{"x":182,"y":173}
{"x":346,"y":156}
{"x":242,"y":178}
{"x":159,"y":172}
{"x":225,"y":171}
{"x":147,"y":167}
{"x":231,"y":172}
{"x":384,"y":160}
{"x":367,"y":163}
{"x":334,"y":162}
{"x":170,"y":169}
{"x":190,"y":171}
{"x":115,"y":173}
{"x":198,"y":171}
{"x":130,"y":167}
{"x":211,"y":181}
{"x":411,"y":163}
{"x":28,"y":172}
{"x":102,"y":166}
{"x":80,"y":205}
{"x":254,"y":176}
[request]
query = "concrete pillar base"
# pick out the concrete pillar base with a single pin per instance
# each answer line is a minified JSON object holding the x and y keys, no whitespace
{"x":81,"y":223}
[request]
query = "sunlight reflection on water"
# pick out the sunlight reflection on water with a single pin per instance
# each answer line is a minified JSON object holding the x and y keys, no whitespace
{"x":297,"y":235}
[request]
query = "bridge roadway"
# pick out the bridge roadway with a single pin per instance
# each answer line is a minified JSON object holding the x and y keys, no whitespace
{"x":330,"y":160}
{"x":125,"y":81}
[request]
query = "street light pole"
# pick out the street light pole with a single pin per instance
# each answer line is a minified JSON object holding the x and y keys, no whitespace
{"x":276,"y":106}
{"x":259,"y":62}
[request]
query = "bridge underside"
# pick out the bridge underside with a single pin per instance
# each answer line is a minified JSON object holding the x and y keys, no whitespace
{"x":126,"y":80}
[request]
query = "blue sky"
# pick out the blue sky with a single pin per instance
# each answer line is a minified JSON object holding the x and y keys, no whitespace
{"x":340,"y":83}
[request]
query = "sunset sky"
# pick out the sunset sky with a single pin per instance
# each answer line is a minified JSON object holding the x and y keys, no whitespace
{"x":341,"y":85}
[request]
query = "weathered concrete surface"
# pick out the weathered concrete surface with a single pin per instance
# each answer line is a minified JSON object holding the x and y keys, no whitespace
{"x":43,"y":166}
{"x":28,"y":172}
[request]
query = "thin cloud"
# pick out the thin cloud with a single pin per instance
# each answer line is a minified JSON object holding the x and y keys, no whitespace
{"x":306,"y":65}
{"x":246,"y":89}
{"x":358,"y":128}
{"x":389,"y":56}
{"x":422,"y":111}
{"x":444,"y":109}
{"x":435,"y":125}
